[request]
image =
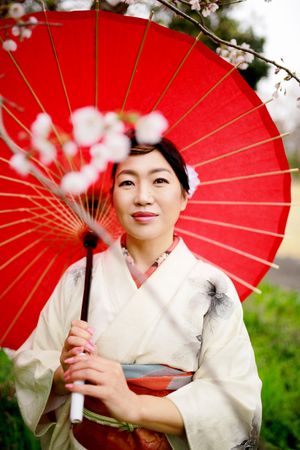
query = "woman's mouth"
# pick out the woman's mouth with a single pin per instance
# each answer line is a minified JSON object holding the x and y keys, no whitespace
{"x":143,"y":216}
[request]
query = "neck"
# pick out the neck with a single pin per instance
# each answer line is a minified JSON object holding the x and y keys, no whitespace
{"x":146,"y":252}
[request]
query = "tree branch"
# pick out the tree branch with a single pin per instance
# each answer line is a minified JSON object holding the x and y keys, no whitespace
{"x":218,"y":40}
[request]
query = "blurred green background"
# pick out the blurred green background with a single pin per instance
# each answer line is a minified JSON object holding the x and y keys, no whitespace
{"x":273,"y":322}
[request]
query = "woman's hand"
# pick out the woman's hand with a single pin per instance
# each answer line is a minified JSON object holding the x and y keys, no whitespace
{"x":79,"y":340}
{"x":108,"y":384}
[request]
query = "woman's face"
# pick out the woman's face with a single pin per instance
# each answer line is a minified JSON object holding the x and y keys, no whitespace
{"x":147,"y":196}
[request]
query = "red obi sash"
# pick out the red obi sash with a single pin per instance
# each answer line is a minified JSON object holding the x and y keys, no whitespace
{"x":143,"y":379}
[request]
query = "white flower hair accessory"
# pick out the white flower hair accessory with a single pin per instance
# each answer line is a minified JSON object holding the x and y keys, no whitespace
{"x":194,"y":180}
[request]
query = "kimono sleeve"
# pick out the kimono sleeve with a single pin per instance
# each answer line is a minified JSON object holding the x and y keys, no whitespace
{"x":37,"y":359}
{"x":221,"y":407}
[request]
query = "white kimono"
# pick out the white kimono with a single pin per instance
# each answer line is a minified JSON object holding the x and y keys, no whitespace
{"x":186,"y":315}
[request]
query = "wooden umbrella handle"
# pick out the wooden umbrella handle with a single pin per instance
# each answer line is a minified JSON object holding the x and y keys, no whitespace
{"x":90,"y":241}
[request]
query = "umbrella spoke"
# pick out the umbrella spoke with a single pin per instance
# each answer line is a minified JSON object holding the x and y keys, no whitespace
{"x":181,"y":64}
{"x":8,"y":211}
{"x":21,"y":252}
{"x":23,"y":272}
{"x":248,"y":177}
{"x":225,"y":125}
{"x":200,"y":100}
{"x":57,"y":61}
{"x":74,"y":222}
{"x":137,"y":60}
{"x":29,"y":231}
{"x":28,"y":299}
{"x":228,"y":247}
{"x":238,"y":202}
{"x":242,"y":149}
{"x":231,"y":225}
{"x":231,"y":275}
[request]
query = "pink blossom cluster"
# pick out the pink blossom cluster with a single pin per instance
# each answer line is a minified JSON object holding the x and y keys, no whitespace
{"x":21,"y":29}
{"x":206,"y":7}
{"x":104,"y":135}
{"x":236,"y":56}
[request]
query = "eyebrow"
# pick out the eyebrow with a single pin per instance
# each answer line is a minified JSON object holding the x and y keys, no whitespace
{"x":134,"y":173}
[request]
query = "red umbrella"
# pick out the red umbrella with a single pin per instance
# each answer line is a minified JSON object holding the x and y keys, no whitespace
{"x":236,"y":218}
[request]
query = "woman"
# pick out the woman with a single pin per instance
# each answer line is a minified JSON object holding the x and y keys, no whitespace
{"x":167,"y":359}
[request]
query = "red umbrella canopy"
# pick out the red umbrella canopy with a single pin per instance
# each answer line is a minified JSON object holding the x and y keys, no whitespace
{"x":236,"y":218}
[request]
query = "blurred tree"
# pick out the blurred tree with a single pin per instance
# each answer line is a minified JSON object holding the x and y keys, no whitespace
{"x":228,"y":28}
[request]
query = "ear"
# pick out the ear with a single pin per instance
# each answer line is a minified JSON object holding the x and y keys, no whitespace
{"x":184,"y":201}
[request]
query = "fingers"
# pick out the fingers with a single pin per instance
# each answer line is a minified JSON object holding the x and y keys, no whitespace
{"x":93,"y":368}
{"x":80,"y":335}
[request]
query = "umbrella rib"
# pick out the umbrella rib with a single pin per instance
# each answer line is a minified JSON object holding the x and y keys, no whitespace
{"x":230,"y":274}
{"x":231,"y":225}
{"x":65,"y":225}
{"x":248,"y":177}
{"x":24,"y":233}
{"x":137,"y":60}
{"x":23,"y":182}
{"x":225,"y":125}
{"x":96,"y":54}
{"x":18,"y":121}
{"x":57,"y":60}
{"x":33,"y":93}
{"x":228,"y":247}
{"x":58,"y":227}
{"x":200,"y":100}
{"x":13,"y":210}
{"x":22,"y":273}
{"x":24,"y":250}
{"x":50,"y":173}
{"x":70,"y":220}
{"x":29,"y":297}
{"x":100,"y":212}
{"x":181,"y":64}
{"x":224,"y":202}
{"x":242,"y":149}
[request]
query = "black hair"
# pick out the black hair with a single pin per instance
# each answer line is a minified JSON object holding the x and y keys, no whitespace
{"x":168,"y":150}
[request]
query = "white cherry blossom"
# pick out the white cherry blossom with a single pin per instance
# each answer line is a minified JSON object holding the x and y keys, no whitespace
{"x":70,"y":148}
{"x":47,"y":150}
{"x":20,"y":163}
{"x":74,"y":183}
{"x":236,"y":56}
{"x":9,"y":45}
{"x":42,"y":125}
{"x":16,"y":11}
{"x":112,"y":123}
{"x":149,"y":128}
{"x":87,"y":125}
{"x":90,"y":173}
{"x":118,"y":146}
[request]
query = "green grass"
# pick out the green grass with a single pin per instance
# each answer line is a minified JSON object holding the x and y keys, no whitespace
{"x":273,"y":322}
{"x":14,"y":435}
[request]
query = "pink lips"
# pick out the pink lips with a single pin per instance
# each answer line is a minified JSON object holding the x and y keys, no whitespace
{"x":143,"y":216}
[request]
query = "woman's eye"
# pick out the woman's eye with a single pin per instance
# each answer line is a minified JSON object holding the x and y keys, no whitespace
{"x":126,"y":183}
{"x":161,"y":181}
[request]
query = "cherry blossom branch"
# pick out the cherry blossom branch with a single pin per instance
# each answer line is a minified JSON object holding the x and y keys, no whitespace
{"x":28,"y":24}
{"x":213,"y":37}
{"x":53,"y":187}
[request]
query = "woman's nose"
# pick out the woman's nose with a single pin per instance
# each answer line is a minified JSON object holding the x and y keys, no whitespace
{"x":144,"y":195}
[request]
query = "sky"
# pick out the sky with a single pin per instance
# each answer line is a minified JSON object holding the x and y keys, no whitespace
{"x":278,"y":21}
